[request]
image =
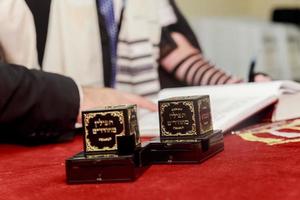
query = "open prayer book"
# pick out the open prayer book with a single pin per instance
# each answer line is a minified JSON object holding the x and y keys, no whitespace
{"x":230,"y":104}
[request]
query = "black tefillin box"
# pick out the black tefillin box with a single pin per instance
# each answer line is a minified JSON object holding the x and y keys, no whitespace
{"x":186,"y":131}
{"x":188,"y":116}
{"x":112,"y":147}
{"x":110,"y":130}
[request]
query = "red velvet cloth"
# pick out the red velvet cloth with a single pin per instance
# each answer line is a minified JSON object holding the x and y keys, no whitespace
{"x":244,"y":170}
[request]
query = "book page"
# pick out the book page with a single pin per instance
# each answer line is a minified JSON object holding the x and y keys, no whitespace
{"x":287,"y":107}
{"x":235,"y":110}
{"x":230,"y":104}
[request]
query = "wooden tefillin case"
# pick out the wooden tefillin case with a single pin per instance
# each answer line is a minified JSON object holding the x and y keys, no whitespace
{"x":107,"y":167}
{"x":186,"y":131}
{"x":112,"y":147}
{"x":186,"y":150}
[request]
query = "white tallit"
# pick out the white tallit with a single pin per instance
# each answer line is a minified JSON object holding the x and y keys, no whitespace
{"x":73,"y":44}
{"x":73,"y":41}
{"x":17,"y":34}
{"x":138,"y":49}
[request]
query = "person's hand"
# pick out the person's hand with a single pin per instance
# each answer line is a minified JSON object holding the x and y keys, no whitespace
{"x":261,"y":77}
{"x":94,"y":97}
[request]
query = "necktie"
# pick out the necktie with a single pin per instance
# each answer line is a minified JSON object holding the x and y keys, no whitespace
{"x":107,"y":10}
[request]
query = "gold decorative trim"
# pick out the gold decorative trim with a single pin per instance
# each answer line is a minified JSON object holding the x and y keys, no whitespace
{"x":206,"y":102}
{"x":89,"y":116}
{"x":253,"y":135}
{"x":190,"y":104}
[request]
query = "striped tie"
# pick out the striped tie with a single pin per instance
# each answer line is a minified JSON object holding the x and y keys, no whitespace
{"x":107,"y":10}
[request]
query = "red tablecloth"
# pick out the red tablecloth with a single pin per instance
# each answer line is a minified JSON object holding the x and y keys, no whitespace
{"x":244,"y":170}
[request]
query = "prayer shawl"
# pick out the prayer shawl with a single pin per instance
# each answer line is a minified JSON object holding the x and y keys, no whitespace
{"x":17,"y":34}
{"x":138,"y":46}
{"x":73,"y":44}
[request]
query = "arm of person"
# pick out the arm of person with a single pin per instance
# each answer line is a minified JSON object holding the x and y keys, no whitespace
{"x":36,"y":106}
{"x":182,"y":56}
{"x":39,"y":107}
{"x":188,"y":65}
{"x":98,"y":97}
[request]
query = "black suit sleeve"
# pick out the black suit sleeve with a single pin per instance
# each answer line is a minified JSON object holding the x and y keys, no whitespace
{"x":35,"y":106}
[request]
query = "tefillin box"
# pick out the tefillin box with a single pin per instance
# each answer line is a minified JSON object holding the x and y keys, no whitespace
{"x":101,"y":168}
{"x":186,"y":131}
{"x":112,"y":147}
{"x":188,"y":116}
{"x":186,"y":150}
{"x":110,"y":130}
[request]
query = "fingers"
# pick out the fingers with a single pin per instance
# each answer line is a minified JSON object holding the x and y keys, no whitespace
{"x":262,"y":78}
{"x":142,"y":102}
{"x":99,"y":97}
{"x":147,"y":105}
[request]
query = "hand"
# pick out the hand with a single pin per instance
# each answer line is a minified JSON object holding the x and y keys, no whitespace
{"x":94,"y":97}
{"x":261,"y":77}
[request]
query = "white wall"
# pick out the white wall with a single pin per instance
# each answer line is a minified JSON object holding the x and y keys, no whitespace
{"x":260,"y":9}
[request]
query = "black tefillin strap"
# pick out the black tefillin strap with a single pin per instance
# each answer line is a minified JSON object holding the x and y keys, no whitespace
{"x":181,"y":62}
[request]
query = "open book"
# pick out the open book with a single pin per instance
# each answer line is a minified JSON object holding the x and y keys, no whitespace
{"x":230,"y":104}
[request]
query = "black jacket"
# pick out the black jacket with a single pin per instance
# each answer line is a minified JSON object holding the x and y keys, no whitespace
{"x":35,"y":106}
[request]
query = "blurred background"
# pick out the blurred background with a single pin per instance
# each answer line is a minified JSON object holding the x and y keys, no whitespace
{"x":232,"y":33}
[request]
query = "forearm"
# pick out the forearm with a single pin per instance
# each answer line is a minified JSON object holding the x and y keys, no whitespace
{"x":188,"y":65}
{"x":194,"y":69}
